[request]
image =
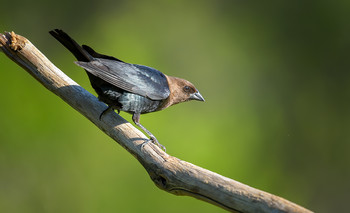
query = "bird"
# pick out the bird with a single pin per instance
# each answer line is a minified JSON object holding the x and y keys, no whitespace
{"x":132,"y":88}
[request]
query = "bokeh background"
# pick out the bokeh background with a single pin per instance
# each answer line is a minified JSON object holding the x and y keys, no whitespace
{"x":275,"y":76}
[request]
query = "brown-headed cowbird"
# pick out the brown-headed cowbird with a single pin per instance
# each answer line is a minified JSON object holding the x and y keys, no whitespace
{"x":131,"y":88}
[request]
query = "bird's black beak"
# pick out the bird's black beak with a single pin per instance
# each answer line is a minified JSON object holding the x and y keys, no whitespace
{"x":196,"y":96}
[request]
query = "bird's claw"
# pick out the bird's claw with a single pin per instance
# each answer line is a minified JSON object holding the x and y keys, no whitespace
{"x":107,"y":110}
{"x":155,"y":141}
{"x":104,"y":112}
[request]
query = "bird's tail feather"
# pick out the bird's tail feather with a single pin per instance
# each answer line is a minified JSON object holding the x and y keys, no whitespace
{"x":71,"y":45}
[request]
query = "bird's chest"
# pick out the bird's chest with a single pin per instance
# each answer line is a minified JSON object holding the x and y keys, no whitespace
{"x":130,"y":102}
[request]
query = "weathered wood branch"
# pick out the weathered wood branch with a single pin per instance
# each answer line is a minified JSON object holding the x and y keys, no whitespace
{"x":168,"y":173}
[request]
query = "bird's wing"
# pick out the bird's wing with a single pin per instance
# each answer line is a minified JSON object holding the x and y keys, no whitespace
{"x":138,"y":79}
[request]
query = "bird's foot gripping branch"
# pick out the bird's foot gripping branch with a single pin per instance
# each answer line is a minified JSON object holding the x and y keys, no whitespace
{"x":168,"y":173}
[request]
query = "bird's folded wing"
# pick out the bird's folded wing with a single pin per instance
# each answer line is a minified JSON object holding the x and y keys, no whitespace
{"x":138,"y":79}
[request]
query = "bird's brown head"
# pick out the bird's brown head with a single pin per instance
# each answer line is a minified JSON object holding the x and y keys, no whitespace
{"x":181,"y":90}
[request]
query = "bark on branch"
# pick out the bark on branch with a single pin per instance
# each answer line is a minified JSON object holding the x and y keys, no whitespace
{"x":168,"y":173}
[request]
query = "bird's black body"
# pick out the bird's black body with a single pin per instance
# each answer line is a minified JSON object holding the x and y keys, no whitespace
{"x":132,"y":88}
{"x":140,"y":89}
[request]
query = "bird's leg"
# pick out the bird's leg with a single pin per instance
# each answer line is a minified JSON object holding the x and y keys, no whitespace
{"x":136,"y":119}
{"x":106,"y":110}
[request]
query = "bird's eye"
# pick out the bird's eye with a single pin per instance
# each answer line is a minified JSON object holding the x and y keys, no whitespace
{"x":187,"y":89}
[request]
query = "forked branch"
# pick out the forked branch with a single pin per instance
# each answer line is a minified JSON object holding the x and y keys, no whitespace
{"x":168,"y":173}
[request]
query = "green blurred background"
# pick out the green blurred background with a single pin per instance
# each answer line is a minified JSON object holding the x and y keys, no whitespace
{"x":275,"y":76}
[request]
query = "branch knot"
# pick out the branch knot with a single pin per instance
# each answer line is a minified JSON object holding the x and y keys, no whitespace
{"x":17,"y":41}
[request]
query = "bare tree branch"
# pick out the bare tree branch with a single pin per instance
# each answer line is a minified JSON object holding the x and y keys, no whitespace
{"x":168,"y":173}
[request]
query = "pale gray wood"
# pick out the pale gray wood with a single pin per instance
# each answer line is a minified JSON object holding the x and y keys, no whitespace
{"x":168,"y":173}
